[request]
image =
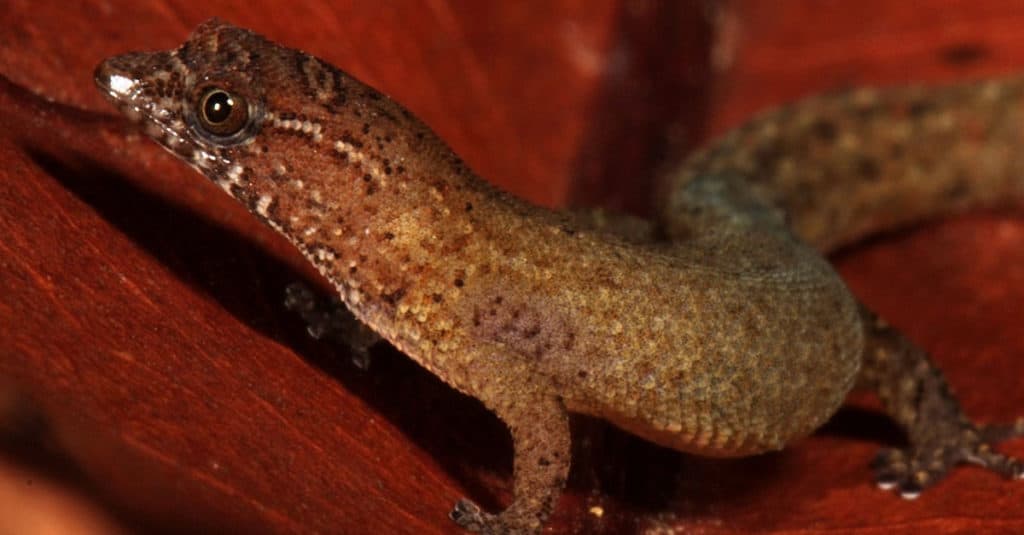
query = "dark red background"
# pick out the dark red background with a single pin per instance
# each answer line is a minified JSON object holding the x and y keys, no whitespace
{"x":149,"y":372}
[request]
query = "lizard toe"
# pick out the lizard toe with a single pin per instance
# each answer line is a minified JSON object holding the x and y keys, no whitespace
{"x":1000,"y":432}
{"x":1004,"y":465}
{"x":469,"y":516}
{"x":909,"y":471}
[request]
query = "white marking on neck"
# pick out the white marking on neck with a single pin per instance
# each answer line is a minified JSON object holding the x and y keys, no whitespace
{"x":360,"y":157}
{"x":307,"y":127}
{"x":235,"y":175}
{"x":263,"y":204}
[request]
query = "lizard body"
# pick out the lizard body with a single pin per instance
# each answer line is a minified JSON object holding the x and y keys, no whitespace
{"x":730,"y":338}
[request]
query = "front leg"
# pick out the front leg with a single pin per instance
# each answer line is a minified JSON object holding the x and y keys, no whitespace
{"x":917,"y":396}
{"x":539,"y":424}
{"x":332,"y":320}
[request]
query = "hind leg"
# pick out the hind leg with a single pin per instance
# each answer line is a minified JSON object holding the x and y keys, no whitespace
{"x":916,"y":395}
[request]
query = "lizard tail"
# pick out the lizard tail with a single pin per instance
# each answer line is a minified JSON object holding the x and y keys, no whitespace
{"x":842,"y":166}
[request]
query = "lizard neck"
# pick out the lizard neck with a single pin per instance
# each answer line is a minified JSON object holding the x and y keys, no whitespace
{"x":375,"y":200}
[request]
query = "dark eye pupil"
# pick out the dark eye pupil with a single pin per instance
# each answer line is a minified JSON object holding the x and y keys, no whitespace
{"x":218,"y":106}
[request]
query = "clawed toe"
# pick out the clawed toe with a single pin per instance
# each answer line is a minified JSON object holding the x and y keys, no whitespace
{"x":1004,"y":465}
{"x":998,"y":433}
{"x":894,"y":471}
{"x":468,"y":515}
{"x":910,"y":471}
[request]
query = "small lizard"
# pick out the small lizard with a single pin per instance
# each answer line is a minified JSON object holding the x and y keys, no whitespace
{"x":718,"y":329}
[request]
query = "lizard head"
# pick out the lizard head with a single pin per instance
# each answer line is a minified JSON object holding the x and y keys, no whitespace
{"x":201,"y":101}
{"x":250,"y":114}
{"x":314,"y":153}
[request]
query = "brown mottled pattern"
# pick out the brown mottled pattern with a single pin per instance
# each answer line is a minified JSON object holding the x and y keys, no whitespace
{"x":846,"y":165}
{"x":735,"y":338}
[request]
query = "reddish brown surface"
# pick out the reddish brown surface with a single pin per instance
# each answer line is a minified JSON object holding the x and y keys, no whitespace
{"x":147,"y":364}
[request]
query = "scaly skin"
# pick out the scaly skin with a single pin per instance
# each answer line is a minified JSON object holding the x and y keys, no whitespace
{"x":735,"y":337}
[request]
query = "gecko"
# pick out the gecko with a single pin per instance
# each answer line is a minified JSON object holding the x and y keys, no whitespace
{"x":716,"y":328}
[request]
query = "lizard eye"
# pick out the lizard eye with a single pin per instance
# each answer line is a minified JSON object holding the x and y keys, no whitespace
{"x":222,"y":114}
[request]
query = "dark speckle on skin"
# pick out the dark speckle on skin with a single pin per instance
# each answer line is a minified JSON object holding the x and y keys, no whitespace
{"x":824,"y":130}
{"x":868,"y":168}
{"x":349,"y":139}
{"x":919,"y":108}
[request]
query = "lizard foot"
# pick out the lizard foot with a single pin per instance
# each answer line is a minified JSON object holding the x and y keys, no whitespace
{"x":469,"y":516}
{"x":331,"y":320}
{"x":910,"y":471}
{"x":539,"y":424}
{"x":915,"y":393}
